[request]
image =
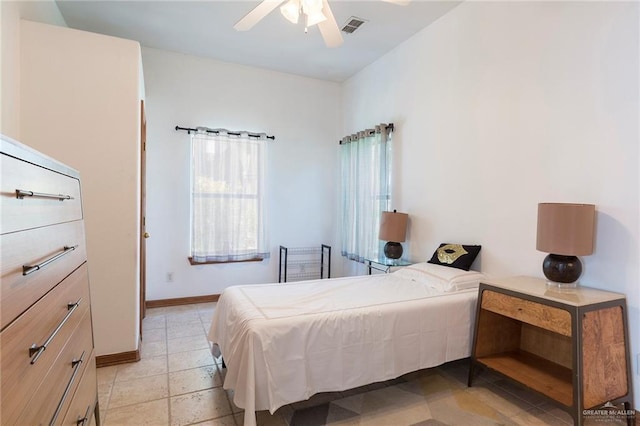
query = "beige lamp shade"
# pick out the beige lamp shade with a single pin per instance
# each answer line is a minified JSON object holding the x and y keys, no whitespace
{"x":566,"y":229}
{"x":393,"y":226}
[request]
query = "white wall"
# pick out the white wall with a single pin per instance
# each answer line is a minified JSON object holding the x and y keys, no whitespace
{"x":80,"y":104}
{"x":303,"y":114}
{"x":499,"y":106}
{"x":11,"y":12}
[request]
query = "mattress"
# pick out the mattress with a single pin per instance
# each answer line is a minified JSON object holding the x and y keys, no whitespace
{"x":283,"y":343}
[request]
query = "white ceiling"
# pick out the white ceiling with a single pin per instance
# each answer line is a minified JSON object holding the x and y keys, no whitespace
{"x":205,"y":28}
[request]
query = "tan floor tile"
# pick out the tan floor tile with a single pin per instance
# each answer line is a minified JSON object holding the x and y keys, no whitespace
{"x":183,"y":319}
{"x":382,"y":405}
{"x":179,"y":309}
{"x":338,"y":416}
{"x":139,"y":390}
{"x":189,"y":343}
{"x":265,"y":418}
{"x":176,"y":361}
{"x":206,"y":317}
{"x":526,"y":401}
{"x":107,"y":374}
{"x":153,"y":413}
{"x":537,"y":417}
{"x":392,"y":406}
{"x":155,"y":335}
{"x":520,"y":391}
{"x":459,"y":375}
{"x":432,"y":387}
{"x":103,"y":414}
{"x":195,"y":329}
{"x":206,"y":306}
{"x":104,"y":394}
{"x":153,"y":312}
{"x":510,"y":406}
{"x":151,"y":349}
{"x":188,"y":360}
{"x":155,"y":322}
{"x":199,"y":406}
{"x":186,"y":381}
{"x":464,"y":408}
{"x":143,"y":368}
{"x":222,"y":421}
{"x":556,"y":412}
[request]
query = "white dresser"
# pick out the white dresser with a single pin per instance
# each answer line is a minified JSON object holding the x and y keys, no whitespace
{"x":47,"y":362}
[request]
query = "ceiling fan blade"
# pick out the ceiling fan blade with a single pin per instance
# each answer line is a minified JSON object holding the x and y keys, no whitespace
{"x":259,"y":12}
{"x":329,"y":28}
{"x":398,"y":2}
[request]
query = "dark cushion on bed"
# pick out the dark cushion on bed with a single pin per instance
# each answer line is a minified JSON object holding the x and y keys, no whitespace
{"x":455,"y":255}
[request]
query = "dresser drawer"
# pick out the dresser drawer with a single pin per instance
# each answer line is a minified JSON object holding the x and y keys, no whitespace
{"x":81,"y":409}
{"x":42,"y":403}
{"x":56,"y":196}
{"x":547,"y":317}
{"x":22,"y":370}
{"x":36,"y":247}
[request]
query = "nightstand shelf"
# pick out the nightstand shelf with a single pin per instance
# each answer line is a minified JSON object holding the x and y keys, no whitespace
{"x":571,"y":346}
{"x":540,"y":374}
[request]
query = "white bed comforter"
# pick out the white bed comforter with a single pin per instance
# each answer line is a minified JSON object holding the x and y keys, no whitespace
{"x":283,"y":343}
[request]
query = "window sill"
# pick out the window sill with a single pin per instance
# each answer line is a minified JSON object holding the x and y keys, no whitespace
{"x":255,"y":259}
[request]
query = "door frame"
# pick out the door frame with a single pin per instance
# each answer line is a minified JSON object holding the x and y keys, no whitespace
{"x":143,"y":213}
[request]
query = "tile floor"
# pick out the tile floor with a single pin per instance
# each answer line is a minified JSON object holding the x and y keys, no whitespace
{"x":178,"y":382}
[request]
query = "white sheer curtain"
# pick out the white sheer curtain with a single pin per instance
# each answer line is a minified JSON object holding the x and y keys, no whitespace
{"x":366,"y":190}
{"x":228,"y":193}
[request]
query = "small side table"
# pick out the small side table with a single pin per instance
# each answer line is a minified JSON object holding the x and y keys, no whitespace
{"x":384,"y":264}
{"x":571,"y":346}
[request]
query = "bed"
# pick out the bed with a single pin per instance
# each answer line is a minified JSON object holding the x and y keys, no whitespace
{"x":283,"y":343}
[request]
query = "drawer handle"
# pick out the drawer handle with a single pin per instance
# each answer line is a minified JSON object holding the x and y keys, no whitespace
{"x":28,"y":269}
{"x":83,"y":420}
{"x":21,"y":193}
{"x":35,"y":351}
{"x":75,"y":364}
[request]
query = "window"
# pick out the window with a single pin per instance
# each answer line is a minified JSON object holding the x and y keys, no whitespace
{"x":227,"y":197}
{"x":366,"y":190}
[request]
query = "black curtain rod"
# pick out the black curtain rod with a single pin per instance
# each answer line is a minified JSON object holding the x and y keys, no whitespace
{"x":389,"y":127}
{"x":251,"y":135}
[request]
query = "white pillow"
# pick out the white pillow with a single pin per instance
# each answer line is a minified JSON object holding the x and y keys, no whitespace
{"x":440,"y":277}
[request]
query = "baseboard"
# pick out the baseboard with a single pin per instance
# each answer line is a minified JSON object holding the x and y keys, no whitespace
{"x":119,"y":358}
{"x":181,"y":301}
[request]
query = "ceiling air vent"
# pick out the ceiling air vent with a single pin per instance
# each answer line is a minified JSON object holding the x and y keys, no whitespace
{"x":352,"y":25}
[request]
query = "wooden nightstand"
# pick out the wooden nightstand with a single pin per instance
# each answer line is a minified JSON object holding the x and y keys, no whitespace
{"x":572,"y":347}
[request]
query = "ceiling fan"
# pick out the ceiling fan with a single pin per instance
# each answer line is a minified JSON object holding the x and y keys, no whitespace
{"x":315,"y":12}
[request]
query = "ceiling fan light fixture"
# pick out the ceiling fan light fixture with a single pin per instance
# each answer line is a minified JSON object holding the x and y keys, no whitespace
{"x":311,"y":6}
{"x":291,"y":11}
{"x":315,"y":18}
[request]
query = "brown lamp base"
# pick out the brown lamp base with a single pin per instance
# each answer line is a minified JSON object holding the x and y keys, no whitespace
{"x":562,"y":269}
{"x":393,"y":250}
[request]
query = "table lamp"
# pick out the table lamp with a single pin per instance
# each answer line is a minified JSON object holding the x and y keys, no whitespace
{"x":393,"y":230}
{"x":565,"y":231}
